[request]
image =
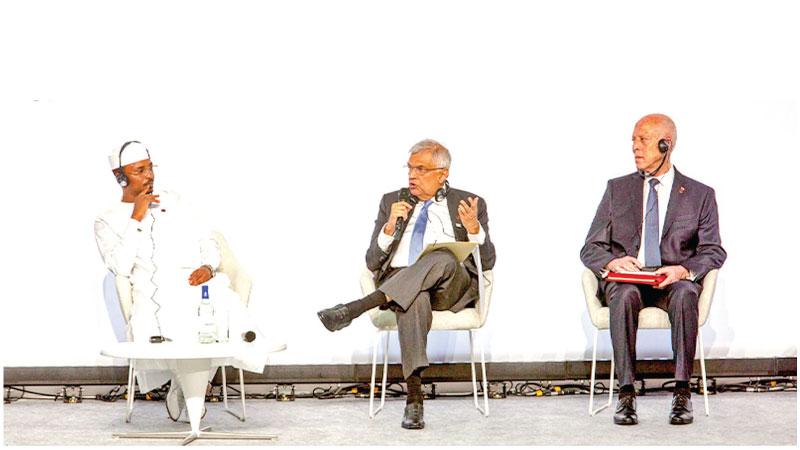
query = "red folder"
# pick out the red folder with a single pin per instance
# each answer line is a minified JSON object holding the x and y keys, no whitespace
{"x":648,"y":278}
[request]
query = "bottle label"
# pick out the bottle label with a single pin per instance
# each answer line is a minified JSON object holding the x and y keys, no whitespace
{"x":207,"y":333}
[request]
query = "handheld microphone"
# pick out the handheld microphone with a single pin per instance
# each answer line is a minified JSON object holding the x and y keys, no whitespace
{"x":249,"y":336}
{"x":404,"y":196}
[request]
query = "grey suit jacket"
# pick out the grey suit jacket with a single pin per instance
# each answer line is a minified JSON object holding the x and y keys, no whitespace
{"x":691,"y":228}
{"x":378,"y":260}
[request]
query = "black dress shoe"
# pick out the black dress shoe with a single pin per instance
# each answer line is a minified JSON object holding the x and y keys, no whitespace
{"x":681,"y":413}
{"x":626,"y":409}
{"x":335,"y":318}
{"x":412,"y":418}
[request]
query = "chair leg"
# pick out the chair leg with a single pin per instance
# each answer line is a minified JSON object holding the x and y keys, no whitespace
{"x":592,"y":411}
{"x":385,"y":369}
{"x":224,"y":389}
{"x":241,"y":388}
{"x":703,"y":368}
{"x":225,"y":394}
{"x":485,"y":384}
{"x":591,"y":379}
{"x":372,"y":411}
{"x":611,"y":382}
{"x":472,"y":367}
{"x":131,"y":391}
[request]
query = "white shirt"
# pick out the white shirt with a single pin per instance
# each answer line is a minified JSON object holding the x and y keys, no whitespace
{"x":663,"y":189}
{"x":158,"y":254}
{"x":169,"y":238}
{"x":439,"y":229}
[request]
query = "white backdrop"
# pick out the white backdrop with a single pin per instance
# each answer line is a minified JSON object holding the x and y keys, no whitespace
{"x":288,"y":120}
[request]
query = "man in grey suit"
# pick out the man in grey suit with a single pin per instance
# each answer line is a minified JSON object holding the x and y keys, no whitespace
{"x":655,"y":217}
{"x":429,"y":211}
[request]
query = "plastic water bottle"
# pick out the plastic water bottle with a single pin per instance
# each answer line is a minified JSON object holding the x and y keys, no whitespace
{"x":205,"y":314}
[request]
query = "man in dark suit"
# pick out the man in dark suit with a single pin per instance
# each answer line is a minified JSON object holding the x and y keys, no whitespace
{"x":414,"y":286}
{"x":655,"y":217}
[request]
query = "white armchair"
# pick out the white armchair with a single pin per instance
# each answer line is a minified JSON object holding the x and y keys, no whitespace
{"x":649,"y":318}
{"x":469,"y":319}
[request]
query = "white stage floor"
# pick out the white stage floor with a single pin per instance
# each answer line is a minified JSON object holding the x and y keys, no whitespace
{"x":736,"y":419}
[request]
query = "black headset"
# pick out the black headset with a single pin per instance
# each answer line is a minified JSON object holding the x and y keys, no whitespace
{"x":122,"y":179}
{"x":663,"y":146}
{"x":441,"y":193}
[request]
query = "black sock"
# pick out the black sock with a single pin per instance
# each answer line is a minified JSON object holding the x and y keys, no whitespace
{"x":414,"y":383}
{"x":627,"y":389}
{"x":360,"y":306}
{"x":681,"y":385}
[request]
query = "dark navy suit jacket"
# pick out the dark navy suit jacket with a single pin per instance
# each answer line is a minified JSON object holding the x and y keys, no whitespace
{"x":690,"y":237}
{"x":378,"y":261}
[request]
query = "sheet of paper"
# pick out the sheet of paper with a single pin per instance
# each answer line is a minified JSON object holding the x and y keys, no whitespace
{"x":460,"y":249}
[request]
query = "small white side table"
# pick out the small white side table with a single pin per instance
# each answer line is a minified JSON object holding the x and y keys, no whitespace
{"x":192,"y":362}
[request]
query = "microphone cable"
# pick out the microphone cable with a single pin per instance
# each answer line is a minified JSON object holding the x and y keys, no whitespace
{"x":153,"y":274}
{"x":644,"y":173}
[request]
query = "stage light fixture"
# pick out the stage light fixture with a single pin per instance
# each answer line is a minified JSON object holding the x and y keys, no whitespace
{"x":284,"y":392}
{"x":429,"y":394}
{"x":497,"y":394}
{"x":72,"y":394}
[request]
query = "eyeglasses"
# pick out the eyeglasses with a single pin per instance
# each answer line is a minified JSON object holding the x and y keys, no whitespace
{"x":142,"y":170}
{"x":421,"y":170}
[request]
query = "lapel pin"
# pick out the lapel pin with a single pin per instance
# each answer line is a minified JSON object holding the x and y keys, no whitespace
{"x":681,"y":190}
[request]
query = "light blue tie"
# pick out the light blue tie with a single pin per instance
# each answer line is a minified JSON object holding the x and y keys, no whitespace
{"x":418,"y":234}
{"x":652,"y":252}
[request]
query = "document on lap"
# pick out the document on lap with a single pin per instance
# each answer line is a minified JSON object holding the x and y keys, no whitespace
{"x":460,"y":249}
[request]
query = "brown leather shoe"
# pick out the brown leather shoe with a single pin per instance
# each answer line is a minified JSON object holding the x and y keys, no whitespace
{"x":335,"y":318}
{"x":412,"y":418}
{"x":626,"y":409}
{"x":681,"y":413}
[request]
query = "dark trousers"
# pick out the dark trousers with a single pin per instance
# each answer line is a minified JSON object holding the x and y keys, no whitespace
{"x":436,"y":282}
{"x":679,"y":300}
